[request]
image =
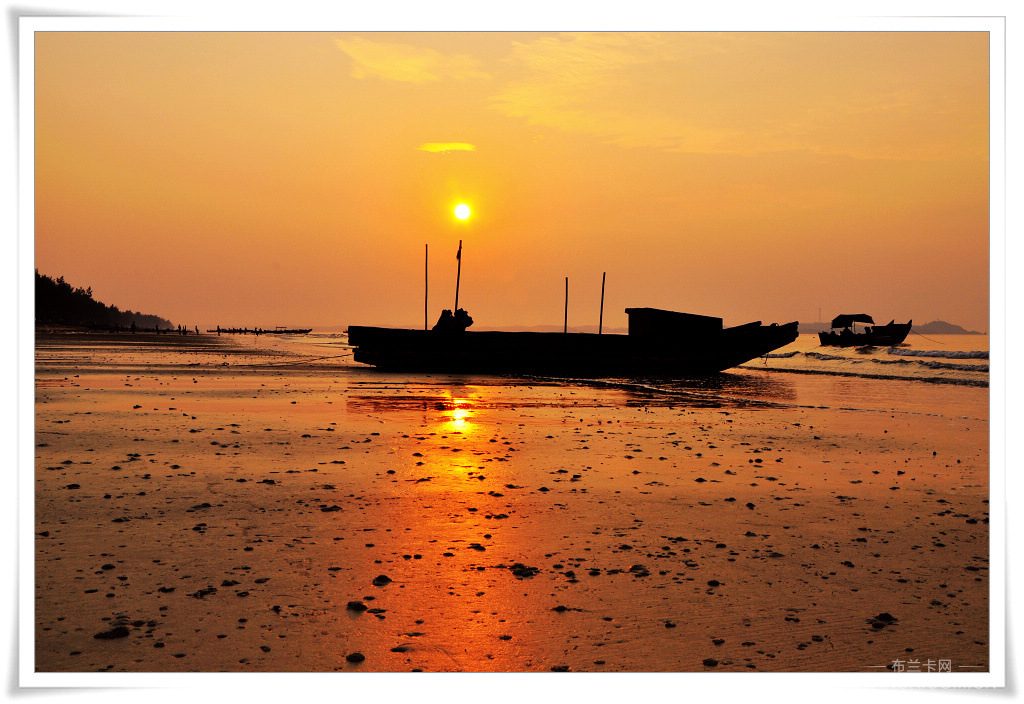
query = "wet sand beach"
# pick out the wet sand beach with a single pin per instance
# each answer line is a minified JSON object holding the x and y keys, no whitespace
{"x":205,"y":504}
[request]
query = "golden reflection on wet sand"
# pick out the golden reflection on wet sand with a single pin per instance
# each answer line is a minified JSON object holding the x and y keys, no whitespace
{"x":521,"y":526}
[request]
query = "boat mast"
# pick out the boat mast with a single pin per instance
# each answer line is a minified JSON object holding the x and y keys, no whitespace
{"x":565,"y":324}
{"x":426,"y":282}
{"x":458,"y":277}
{"x":600,"y":319}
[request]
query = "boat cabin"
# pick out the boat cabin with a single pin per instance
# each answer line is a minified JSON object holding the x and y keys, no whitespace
{"x":657,"y":324}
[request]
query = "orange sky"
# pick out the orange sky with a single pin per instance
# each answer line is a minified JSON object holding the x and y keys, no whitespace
{"x":294,"y":178}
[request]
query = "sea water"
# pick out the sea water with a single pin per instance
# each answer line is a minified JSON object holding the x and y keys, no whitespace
{"x":941,"y":374}
{"x":938,"y":374}
{"x":950,"y":359}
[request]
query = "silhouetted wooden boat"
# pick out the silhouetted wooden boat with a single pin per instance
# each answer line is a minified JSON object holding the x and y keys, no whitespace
{"x":658,"y":343}
{"x":880,"y":335}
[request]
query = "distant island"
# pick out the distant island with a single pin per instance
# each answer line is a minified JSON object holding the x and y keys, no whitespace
{"x":936,"y":327}
{"x":59,"y":303}
{"x":941,"y":327}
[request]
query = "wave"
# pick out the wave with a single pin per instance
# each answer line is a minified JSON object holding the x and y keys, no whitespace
{"x":826,"y":357}
{"x":960,"y":367}
{"x":908,"y":363}
{"x":930,"y":364}
{"x":883,"y":377}
{"x":948,"y":354}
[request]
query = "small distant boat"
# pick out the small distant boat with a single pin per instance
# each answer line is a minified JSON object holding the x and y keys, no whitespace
{"x":887,"y":335}
{"x":658,"y":343}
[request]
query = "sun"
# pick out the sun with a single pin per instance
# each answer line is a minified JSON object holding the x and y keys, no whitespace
{"x":462,"y":211}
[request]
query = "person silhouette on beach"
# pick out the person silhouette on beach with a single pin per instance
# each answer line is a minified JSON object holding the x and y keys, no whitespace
{"x":453,"y":323}
{"x":445,"y":322}
{"x":462,"y":319}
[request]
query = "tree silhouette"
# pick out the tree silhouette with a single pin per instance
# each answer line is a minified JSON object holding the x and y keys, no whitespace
{"x":59,"y":303}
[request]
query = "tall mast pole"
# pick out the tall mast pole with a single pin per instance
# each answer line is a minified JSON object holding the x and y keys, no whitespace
{"x":458,"y":277}
{"x":600,"y":320}
{"x":426,"y":284}
{"x":565,"y":325}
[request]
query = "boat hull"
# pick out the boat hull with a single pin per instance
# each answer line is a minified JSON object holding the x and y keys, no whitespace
{"x":584,"y":355}
{"x":880,"y":336}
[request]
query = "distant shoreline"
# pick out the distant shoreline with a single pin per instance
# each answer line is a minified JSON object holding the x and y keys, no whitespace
{"x":47,"y":329}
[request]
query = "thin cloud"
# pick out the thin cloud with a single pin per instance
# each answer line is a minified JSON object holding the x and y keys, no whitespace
{"x":605,"y":85}
{"x":405,"y":63}
{"x":720,"y":93}
{"x":445,"y":147}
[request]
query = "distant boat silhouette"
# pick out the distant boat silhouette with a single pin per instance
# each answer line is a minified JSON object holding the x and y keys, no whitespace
{"x":887,"y":335}
{"x":279,"y":330}
{"x":659,"y":343}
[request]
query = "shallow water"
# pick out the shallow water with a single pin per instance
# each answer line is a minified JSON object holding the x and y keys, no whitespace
{"x":941,"y":374}
{"x":951,"y":359}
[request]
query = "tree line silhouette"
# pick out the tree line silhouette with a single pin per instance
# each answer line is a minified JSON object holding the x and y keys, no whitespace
{"x":59,"y":303}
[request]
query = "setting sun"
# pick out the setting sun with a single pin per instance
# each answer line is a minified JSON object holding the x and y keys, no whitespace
{"x":462,"y":211}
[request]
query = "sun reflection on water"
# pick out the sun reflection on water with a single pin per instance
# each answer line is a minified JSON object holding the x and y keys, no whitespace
{"x":457,"y":415}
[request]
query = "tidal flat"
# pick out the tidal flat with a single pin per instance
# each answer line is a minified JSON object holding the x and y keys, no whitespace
{"x":204,"y":505}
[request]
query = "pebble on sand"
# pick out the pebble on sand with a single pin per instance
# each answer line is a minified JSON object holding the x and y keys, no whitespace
{"x":521,"y":570}
{"x":116,"y":632}
{"x":882,"y":620}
